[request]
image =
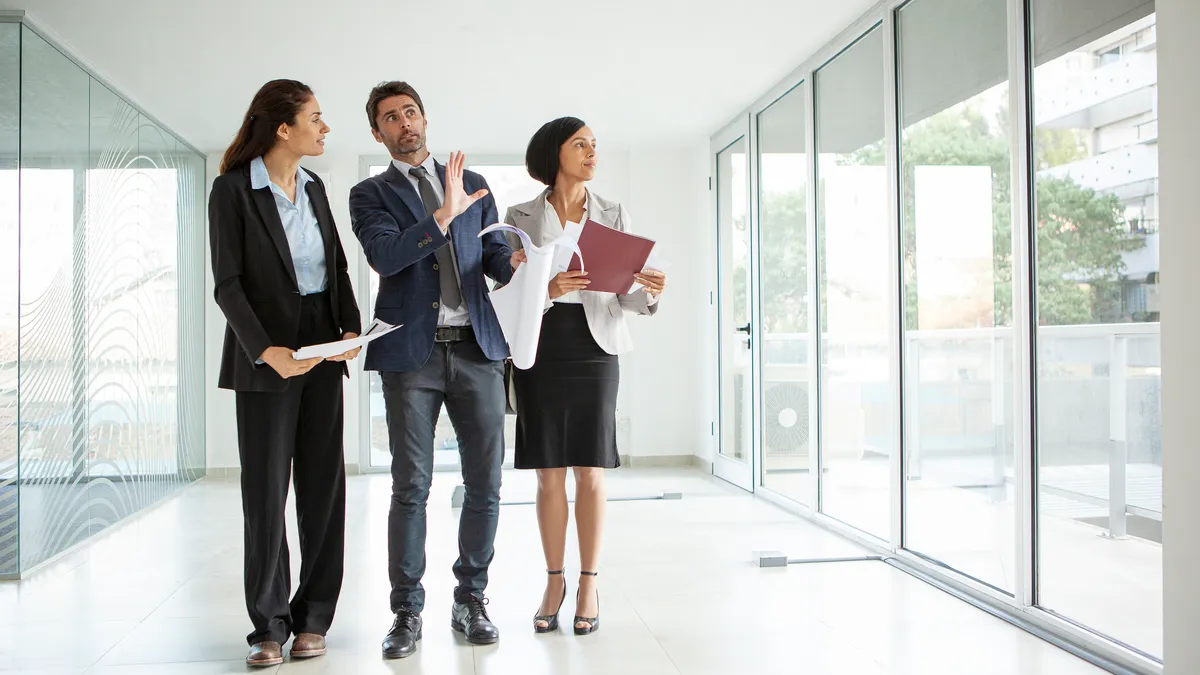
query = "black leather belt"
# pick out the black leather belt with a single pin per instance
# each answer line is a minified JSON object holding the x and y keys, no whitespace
{"x":454,"y":334}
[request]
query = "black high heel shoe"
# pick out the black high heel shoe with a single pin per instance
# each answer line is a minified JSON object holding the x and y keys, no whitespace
{"x":551,"y":619}
{"x":593,"y":623}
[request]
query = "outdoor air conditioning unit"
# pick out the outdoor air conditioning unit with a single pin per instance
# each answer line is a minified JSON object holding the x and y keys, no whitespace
{"x":785,"y":416}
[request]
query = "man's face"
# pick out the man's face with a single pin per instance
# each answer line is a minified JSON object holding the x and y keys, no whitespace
{"x":400,"y":125}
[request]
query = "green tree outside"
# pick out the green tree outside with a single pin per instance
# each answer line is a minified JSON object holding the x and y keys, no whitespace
{"x":1081,"y":234}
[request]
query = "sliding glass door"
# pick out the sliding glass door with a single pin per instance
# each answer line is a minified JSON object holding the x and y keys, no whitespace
{"x":788,"y":382}
{"x":856,"y":441}
{"x":956,"y":233}
{"x":941,"y":301}
{"x":1098,"y":380}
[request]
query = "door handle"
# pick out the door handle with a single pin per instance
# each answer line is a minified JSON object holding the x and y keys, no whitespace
{"x":749,"y":338}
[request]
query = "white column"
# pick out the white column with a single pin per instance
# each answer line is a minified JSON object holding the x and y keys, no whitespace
{"x":1179,"y":168}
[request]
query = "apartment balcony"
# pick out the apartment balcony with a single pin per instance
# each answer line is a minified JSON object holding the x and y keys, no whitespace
{"x":1141,"y":263}
{"x":1099,"y":450}
{"x":1130,"y":172}
{"x":1098,"y":97}
{"x":1098,"y":410}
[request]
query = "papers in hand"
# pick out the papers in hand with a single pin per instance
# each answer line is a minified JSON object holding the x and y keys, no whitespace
{"x":520,"y":304}
{"x":563,"y":255}
{"x":656,"y":263}
{"x":376,"y":330}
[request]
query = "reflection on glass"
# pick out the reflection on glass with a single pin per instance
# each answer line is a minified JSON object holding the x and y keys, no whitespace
{"x":852,"y":244}
{"x":783,"y":270}
{"x":956,"y":243}
{"x":1099,"y":451}
{"x":734,"y":302}
{"x":10,"y":72}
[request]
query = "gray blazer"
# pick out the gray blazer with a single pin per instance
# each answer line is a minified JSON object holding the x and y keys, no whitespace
{"x":605,"y":311}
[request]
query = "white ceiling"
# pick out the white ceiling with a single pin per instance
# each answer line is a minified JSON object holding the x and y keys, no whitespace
{"x":640,"y":72}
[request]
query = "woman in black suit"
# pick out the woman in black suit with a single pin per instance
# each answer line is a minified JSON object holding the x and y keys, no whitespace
{"x":281,"y":280}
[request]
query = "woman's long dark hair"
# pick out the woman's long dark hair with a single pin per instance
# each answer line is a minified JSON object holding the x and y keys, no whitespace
{"x":278,"y":102}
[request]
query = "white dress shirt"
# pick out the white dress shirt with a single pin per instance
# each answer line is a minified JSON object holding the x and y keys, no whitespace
{"x":552,"y":219}
{"x":446,"y":316}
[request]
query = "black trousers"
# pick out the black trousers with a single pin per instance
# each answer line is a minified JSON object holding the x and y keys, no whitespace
{"x":472,"y":388}
{"x":301,"y":429}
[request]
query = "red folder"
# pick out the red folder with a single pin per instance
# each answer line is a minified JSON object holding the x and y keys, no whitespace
{"x":612,"y":257}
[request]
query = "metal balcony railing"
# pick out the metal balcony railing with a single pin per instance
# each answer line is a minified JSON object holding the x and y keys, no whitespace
{"x":1099,"y":389}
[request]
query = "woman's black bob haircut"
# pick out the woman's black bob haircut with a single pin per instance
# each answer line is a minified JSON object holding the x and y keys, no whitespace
{"x":541,"y":159}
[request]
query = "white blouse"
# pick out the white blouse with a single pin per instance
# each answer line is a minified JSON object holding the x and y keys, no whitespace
{"x":553,"y":221}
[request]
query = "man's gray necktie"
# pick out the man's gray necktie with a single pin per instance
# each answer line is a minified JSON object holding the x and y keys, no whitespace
{"x":447,"y":266}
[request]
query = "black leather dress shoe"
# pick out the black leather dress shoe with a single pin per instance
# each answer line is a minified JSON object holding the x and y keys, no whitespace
{"x":401,"y":640}
{"x":471,"y":619}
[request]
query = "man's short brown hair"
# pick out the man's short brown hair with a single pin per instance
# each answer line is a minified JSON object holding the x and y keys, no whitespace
{"x":386,"y":90}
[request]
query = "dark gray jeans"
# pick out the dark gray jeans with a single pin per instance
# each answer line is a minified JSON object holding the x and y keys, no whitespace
{"x":472,"y":388}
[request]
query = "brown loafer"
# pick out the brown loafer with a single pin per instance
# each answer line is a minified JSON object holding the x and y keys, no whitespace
{"x":308,"y":645}
{"x":265,"y":654}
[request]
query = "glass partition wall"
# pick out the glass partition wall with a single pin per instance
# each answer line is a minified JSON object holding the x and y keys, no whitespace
{"x":952,"y":301}
{"x":101,"y":304}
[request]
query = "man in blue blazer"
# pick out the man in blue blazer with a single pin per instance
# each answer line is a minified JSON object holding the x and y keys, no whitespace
{"x":418,"y":223}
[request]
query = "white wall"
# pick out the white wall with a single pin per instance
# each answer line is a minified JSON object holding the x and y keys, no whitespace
{"x":666,"y":401}
{"x":668,"y":380}
{"x":1179,"y":148}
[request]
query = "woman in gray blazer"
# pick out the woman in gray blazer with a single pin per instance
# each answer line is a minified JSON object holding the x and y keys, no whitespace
{"x":566,"y":403}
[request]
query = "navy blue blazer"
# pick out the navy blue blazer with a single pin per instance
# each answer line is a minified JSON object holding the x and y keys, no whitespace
{"x":399,"y":240}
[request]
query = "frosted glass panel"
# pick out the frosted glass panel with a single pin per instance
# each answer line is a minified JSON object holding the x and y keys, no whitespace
{"x":109,"y":312}
{"x":10,"y":72}
{"x":53,"y":307}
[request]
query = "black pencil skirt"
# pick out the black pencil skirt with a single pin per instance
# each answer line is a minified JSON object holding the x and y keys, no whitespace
{"x":567,"y":402}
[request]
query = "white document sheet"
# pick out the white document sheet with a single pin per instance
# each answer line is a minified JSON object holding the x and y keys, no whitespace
{"x":656,"y":262}
{"x":376,"y":330}
{"x":519,"y":304}
{"x":563,"y":254}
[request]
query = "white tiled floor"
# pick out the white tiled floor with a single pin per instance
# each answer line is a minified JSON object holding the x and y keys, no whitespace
{"x":162,"y":595}
{"x":973,"y":531}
